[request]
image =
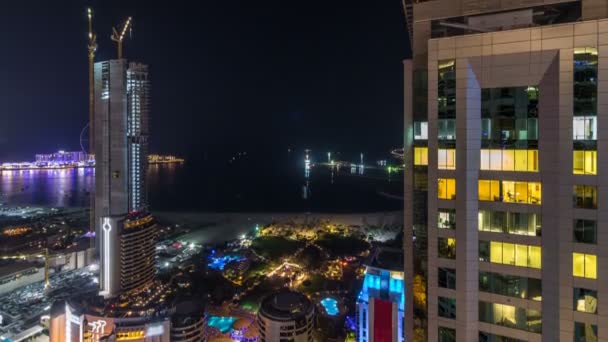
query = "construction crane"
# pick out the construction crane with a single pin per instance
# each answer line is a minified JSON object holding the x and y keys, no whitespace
{"x":92,"y":47}
{"x":42,"y":254}
{"x":118,"y":37}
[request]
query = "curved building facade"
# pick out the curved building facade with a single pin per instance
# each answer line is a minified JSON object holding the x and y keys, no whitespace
{"x":286,"y":316}
{"x":188,"y":322}
{"x":137,"y":253}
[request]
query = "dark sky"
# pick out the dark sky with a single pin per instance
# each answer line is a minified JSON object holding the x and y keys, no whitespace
{"x":227,"y":74}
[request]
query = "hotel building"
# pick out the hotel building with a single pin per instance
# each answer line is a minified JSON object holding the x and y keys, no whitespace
{"x":506,"y":118}
{"x":126,"y":233}
{"x":286,"y":316}
{"x":381,"y":303}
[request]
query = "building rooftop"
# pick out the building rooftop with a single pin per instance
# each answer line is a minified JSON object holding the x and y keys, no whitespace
{"x":285,"y":306}
{"x":387,"y":258}
{"x":10,"y":269}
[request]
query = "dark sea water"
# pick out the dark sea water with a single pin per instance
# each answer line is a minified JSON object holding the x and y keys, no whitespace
{"x":228,"y":183}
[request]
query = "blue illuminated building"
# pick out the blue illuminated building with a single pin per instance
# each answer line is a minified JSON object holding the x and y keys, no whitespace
{"x":381,"y":302}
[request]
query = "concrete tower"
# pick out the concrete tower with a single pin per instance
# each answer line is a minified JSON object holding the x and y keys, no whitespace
{"x":126,"y":233}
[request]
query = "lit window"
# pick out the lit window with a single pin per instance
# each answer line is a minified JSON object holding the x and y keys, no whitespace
{"x":534,"y":256}
{"x":446,"y":159}
{"x":446,"y":129}
{"x":421,"y":156}
{"x":584,"y":265}
{"x":446,"y":248}
{"x":584,"y":128}
{"x":446,"y":219}
{"x":446,"y":188}
{"x":496,"y":252}
{"x":421,"y":130}
{"x":509,"y":222}
{"x":585,"y":300}
{"x":584,"y":162}
{"x":489,"y":190}
{"x":510,"y":316}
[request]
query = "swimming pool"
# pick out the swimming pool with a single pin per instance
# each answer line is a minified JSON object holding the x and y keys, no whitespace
{"x":223,"y":324}
{"x":331,"y":306}
{"x":218,"y":263}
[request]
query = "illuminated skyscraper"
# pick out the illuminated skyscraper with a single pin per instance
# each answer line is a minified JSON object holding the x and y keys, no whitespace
{"x":506,"y":120}
{"x":126,"y":233}
{"x":381,"y":303}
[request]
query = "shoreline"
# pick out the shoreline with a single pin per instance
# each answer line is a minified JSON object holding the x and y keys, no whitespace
{"x":217,"y":227}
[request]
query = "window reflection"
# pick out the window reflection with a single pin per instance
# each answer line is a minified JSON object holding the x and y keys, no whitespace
{"x":585,"y":196}
{"x":509,"y":116}
{"x":510,"y":316}
{"x":510,"y":222}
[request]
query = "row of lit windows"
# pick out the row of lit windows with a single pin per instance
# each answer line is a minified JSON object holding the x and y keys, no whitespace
{"x":510,"y":254}
{"x":510,"y":222}
{"x":584,"y":265}
{"x":583,"y":162}
{"x":446,"y":129}
{"x":509,"y":160}
{"x":446,"y":158}
{"x":510,"y":191}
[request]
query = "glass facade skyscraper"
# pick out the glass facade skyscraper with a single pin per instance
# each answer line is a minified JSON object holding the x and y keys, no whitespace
{"x":126,"y":233}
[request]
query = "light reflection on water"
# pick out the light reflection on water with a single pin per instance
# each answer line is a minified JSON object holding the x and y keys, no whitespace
{"x":284,"y":185}
{"x":56,"y":188}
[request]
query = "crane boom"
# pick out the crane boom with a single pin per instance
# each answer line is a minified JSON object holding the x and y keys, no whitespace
{"x":92,"y":47}
{"x":118,"y":37}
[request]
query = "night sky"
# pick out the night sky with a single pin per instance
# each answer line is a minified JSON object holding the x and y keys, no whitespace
{"x":227,"y":75}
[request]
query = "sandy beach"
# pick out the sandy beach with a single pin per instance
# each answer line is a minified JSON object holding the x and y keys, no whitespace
{"x":221,"y":227}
